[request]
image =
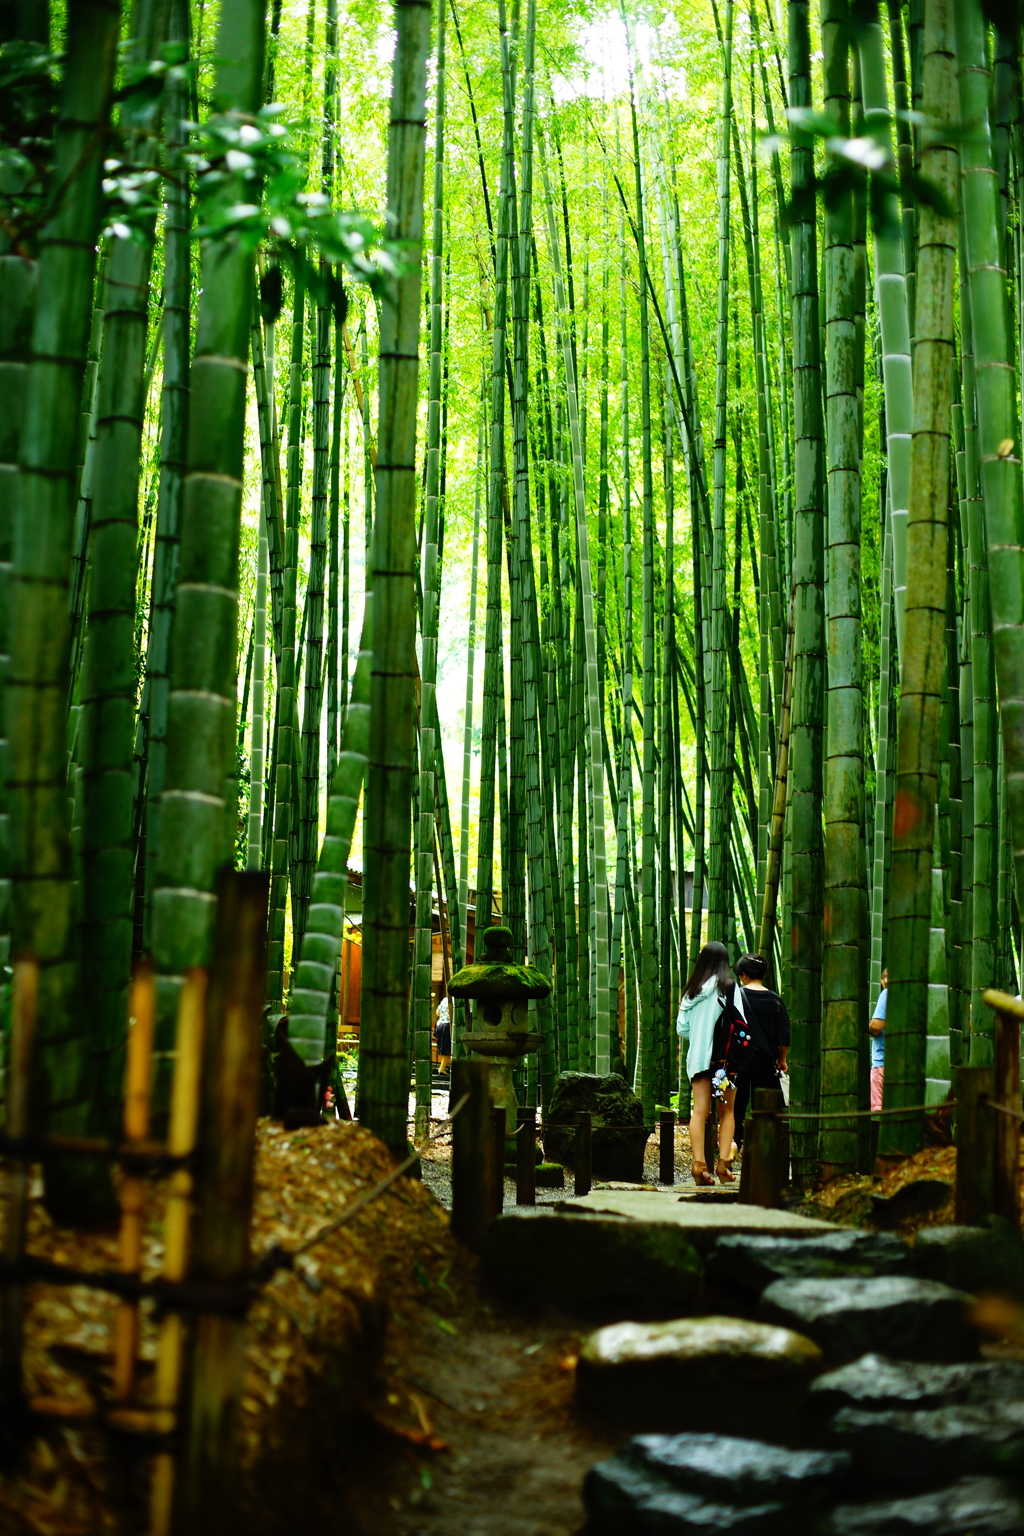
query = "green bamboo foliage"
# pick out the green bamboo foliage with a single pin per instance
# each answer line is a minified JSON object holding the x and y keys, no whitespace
{"x":383,"y":1081}
{"x":806,"y":786}
{"x":720,"y":754}
{"x":602,"y":1022}
{"x":845,"y":873}
{"x":173,"y":425}
{"x":922,"y":670}
{"x":288,"y":671}
{"x":201,"y":702}
{"x":652,"y":1088}
{"x":431,"y":582}
{"x":891,"y":294}
{"x":998,"y":442}
{"x":38,"y":674}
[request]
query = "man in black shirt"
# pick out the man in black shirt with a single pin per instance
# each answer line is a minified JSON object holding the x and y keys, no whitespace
{"x":768,"y":1022}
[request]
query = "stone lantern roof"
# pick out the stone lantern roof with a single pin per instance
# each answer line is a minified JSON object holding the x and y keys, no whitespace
{"x":496,"y":977}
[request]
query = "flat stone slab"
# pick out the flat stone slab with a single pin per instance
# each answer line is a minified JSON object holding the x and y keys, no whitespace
{"x":705,"y":1221}
{"x":896,"y":1315}
{"x":877,"y":1382}
{"x":605,"y":1268}
{"x":750,"y":1261}
{"x":989,"y":1258}
{"x":651,"y":1375}
{"x":915,"y":1447}
{"x":974,"y":1506}
{"x":707,"y":1483}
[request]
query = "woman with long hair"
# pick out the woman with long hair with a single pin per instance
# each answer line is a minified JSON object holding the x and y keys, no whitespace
{"x":701,"y":1013}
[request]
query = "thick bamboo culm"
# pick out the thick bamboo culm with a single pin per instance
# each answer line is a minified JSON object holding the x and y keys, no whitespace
{"x":133,"y":1187}
{"x":12,"y":1297}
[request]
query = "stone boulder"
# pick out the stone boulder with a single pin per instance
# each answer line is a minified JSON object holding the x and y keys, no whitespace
{"x":989,"y":1258}
{"x":591,"y":1266}
{"x":974,"y":1506}
{"x":895,"y":1315}
{"x":917,"y":1447}
{"x":708,"y":1483}
{"x":747,"y":1263}
{"x":650,"y":1375}
{"x":619,"y":1135}
{"x":876,"y":1382}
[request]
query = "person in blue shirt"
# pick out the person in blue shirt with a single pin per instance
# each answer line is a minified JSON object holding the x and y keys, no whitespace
{"x":876,"y":1029}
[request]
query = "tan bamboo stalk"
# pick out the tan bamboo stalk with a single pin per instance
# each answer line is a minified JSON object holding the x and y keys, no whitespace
{"x":138,"y":1080}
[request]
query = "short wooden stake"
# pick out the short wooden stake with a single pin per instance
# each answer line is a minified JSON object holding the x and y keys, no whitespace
{"x":206,"y":1494}
{"x":526,"y":1157}
{"x":499,"y":1126}
{"x":763,"y":1170}
{"x":667,"y":1147}
{"x":1006,"y":1190}
{"x":583,"y":1154}
{"x":976,"y":1136}
{"x":24,"y":1011}
{"x":472,"y":1199}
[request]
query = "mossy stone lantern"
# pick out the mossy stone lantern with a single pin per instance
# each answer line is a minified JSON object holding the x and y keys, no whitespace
{"x":501,"y":991}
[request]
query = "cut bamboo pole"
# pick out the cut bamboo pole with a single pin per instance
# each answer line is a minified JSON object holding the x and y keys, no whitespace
{"x":181,"y":1141}
{"x":205,"y":1491}
{"x":24,"y":1012}
{"x":137,"y":1094}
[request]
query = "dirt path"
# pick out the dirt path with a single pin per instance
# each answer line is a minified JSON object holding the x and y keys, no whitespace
{"x":498,"y":1392}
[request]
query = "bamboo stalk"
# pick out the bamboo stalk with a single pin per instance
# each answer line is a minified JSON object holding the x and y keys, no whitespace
{"x":138,"y":1081}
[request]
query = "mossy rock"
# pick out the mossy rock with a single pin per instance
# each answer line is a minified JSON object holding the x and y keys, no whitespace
{"x":618,"y":1134}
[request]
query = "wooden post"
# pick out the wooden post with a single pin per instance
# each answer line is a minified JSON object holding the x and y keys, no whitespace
{"x":1006,"y":1190}
{"x":763,"y":1171}
{"x":976,"y":1135}
{"x":24,"y":1009}
{"x":583,"y":1154}
{"x":499,"y":1126}
{"x":205,"y":1500}
{"x":667,"y":1147}
{"x":472,"y":1201}
{"x":138,"y":1077}
{"x":526,"y":1157}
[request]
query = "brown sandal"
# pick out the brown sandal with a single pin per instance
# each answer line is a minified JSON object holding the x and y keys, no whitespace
{"x":700,"y":1173}
{"x":724,"y":1171}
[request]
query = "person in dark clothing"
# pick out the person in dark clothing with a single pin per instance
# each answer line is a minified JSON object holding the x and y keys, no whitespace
{"x":769,"y":1026}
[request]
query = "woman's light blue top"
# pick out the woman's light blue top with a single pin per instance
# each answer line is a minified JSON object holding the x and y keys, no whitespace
{"x":696,"y":1022}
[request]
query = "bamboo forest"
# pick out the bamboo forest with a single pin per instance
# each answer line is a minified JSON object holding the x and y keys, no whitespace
{"x":511,"y":531}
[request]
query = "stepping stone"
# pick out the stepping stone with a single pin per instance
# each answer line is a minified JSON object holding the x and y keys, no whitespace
{"x":606,"y":1268}
{"x":751,"y":1261}
{"x":975,"y":1506}
{"x":706,"y":1220}
{"x":649,"y":1375}
{"x":876,"y":1382}
{"x":978,"y":1259}
{"x":895,"y":1315}
{"x":707,"y":1483}
{"x":921,"y":1446}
